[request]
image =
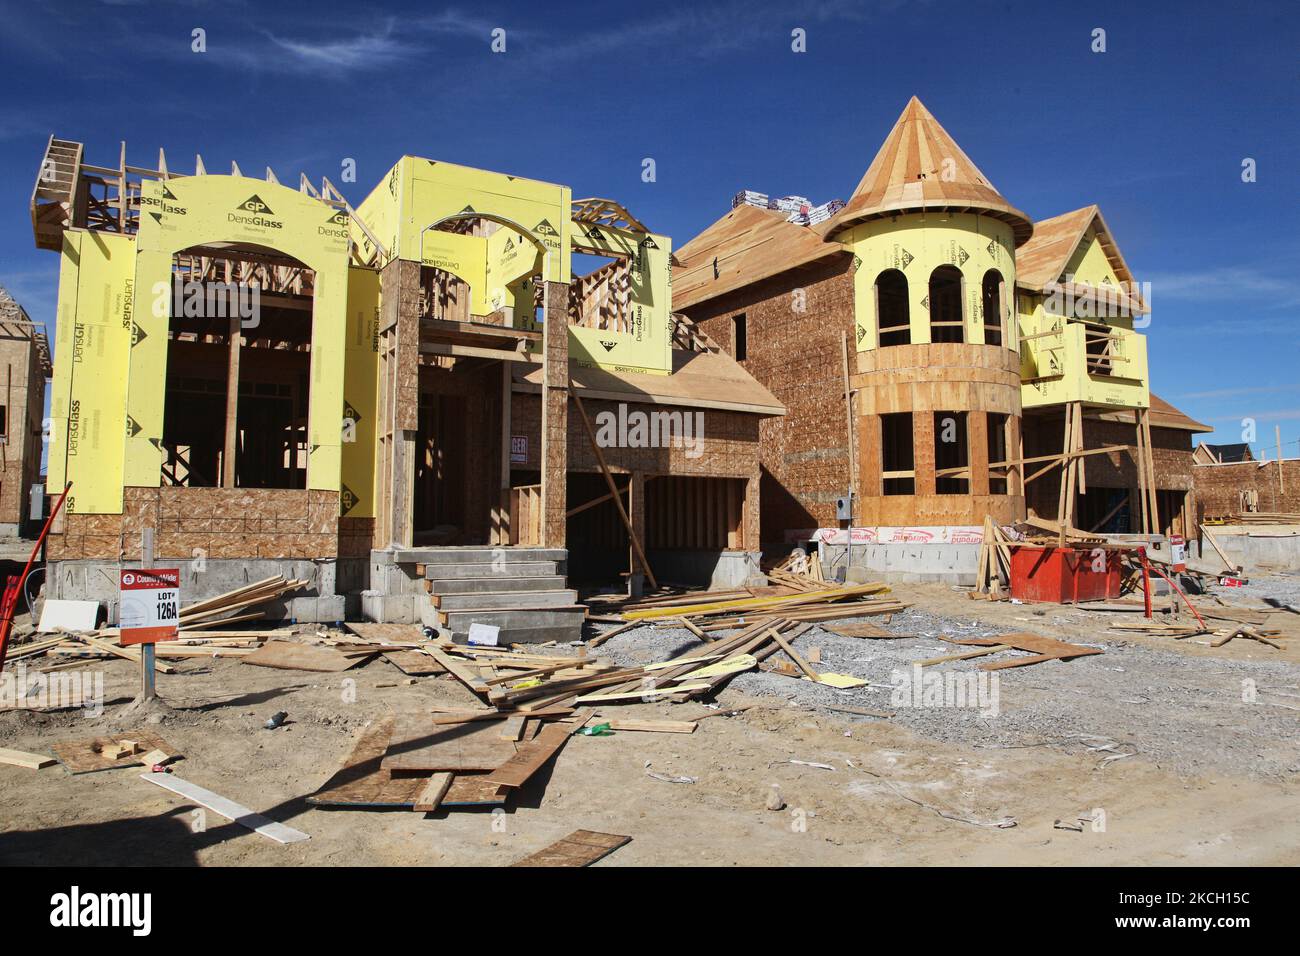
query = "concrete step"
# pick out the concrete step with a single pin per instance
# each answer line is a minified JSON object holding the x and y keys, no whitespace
{"x":448,"y":572}
{"x":509,"y":618}
{"x":531,"y":635}
{"x":502,"y":600}
{"x":550,"y":582}
{"x":477,"y":555}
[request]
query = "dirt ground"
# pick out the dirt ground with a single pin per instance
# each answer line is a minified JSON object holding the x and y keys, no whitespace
{"x":1150,"y":744}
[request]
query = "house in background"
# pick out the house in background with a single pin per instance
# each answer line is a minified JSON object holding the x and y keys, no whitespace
{"x":975,"y":346}
{"x":25,"y":367}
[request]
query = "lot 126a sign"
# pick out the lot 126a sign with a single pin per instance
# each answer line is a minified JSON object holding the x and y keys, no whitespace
{"x":150,"y":605}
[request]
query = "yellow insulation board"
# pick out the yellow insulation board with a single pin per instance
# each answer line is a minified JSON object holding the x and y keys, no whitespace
{"x":88,"y":398}
{"x":178,"y":214}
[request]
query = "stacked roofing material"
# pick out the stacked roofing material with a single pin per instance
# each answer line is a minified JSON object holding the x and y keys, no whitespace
{"x":798,"y":209}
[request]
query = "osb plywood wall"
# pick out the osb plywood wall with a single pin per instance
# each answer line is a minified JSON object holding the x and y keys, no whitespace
{"x":794,"y":327}
{"x":928,"y":380}
{"x":1171,"y":451}
{"x":729,"y":447}
{"x":22,"y":393}
{"x":1219,"y":487}
{"x":218,"y":522}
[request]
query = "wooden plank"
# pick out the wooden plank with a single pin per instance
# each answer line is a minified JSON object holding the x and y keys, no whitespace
{"x":579,"y":848}
{"x":653,"y":726}
{"x":362,"y":782}
{"x":303,"y":657}
{"x":419,"y":744}
{"x":992,"y":649}
{"x":430,"y":797}
{"x":530,"y":757}
{"x":17,"y":758}
{"x":414,"y":663}
{"x":226,"y":808}
{"x":513,"y":728}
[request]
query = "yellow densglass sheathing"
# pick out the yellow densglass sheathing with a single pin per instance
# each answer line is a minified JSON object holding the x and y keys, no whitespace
{"x":179,"y":214}
{"x":464,"y":257}
{"x":420,"y":192}
{"x":360,"y":398}
{"x":88,"y":398}
{"x":1054,"y":360}
{"x":648,"y":346}
{"x":916,"y":244}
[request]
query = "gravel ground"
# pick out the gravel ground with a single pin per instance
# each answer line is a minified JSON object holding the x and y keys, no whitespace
{"x":1180,"y":712}
{"x":1282,"y":586}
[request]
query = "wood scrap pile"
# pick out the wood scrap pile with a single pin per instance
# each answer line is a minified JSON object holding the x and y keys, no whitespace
{"x":1240,"y":622}
{"x":211,"y":612}
{"x":994,"y":571}
{"x":712,"y":612}
{"x":522,"y":709}
{"x":1259,"y":517}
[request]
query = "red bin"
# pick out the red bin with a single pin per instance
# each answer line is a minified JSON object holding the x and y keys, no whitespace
{"x":1064,"y":575}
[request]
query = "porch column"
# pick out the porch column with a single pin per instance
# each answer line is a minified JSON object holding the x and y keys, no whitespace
{"x":399,"y":290}
{"x":501,"y":515}
{"x":555,"y":415}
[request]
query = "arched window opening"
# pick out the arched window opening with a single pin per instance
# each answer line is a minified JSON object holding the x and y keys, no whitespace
{"x":893,"y":316}
{"x":992,"y":300}
{"x":238,"y":369}
{"x":946,"y":324}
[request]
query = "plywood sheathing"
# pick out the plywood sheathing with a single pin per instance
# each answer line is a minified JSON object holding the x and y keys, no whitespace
{"x":22,"y":383}
{"x":221,"y":522}
{"x":705,"y":380}
{"x":924,"y":379}
{"x":795,"y":325}
{"x":745,"y":246}
{"x":918,"y":167}
{"x":399,"y":369}
{"x":729,"y":448}
{"x":554,"y":448}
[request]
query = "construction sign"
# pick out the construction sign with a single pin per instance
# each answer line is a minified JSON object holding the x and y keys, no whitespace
{"x":150,"y":608}
{"x":180,"y":214}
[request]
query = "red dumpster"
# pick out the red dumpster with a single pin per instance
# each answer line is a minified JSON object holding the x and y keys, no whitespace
{"x":1064,"y":575}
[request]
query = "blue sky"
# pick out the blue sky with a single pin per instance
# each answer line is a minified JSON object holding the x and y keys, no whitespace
{"x":1154,"y":130}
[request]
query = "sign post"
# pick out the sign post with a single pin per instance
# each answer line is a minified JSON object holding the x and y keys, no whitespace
{"x":149,"y":612}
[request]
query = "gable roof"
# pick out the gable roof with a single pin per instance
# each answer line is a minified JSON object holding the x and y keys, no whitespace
{"x":749,"y":244}
{"x":909,"y":174}
{"x":1042,"y":260}
{"x":1228,"y":453}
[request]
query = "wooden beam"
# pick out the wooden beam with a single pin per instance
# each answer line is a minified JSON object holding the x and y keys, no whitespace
{"x":614,"y":494}
{"x":232,"y":407}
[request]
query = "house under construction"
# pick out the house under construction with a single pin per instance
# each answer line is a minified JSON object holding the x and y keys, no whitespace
{"x":942,"y":358}
{"x":418,"y":405}
{"x":25,"y":354}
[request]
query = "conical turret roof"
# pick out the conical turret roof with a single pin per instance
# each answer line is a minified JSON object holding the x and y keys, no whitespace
{"x":921,"y":167}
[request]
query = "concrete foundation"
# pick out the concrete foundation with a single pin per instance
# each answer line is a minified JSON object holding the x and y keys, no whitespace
{"x":718,"y":570}
{"x":905,"y":562}
{"x":323,"y":601}
{"x":1259,"y":547}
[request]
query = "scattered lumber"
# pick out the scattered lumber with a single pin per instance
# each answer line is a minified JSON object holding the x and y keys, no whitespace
{"x":288,"y":655}
{"x":226,"y":808}
{"x":92,"y":754}
{"x":17,"y":758}
{"x":213,"y":609}
{"x":579,"y":848}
